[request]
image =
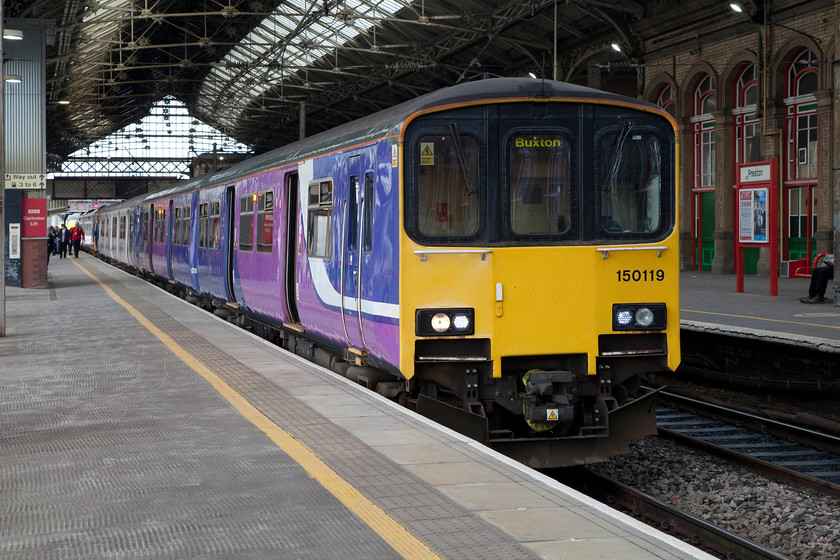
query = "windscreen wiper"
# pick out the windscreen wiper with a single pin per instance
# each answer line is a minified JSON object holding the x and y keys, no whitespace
{"x":456,"y":138}
{"x":615,"y":157}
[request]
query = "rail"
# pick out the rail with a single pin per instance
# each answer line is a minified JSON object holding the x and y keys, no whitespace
{"x":698,"y":532}
{"x":424,"y":252}
{"x":790,"y":453}
{"x":605,"y":251}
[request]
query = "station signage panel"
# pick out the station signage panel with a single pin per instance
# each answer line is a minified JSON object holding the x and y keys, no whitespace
{"x":25,"y":181}
{"x":34,"y":217}
{"x":755,"y":173}
{"x":756,"y":214}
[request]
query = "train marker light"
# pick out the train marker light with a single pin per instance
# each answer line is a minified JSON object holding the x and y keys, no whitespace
{"x":461,"y":322}
{"x":624,"y":317}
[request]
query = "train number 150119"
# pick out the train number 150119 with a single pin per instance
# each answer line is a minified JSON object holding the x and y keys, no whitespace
{"x":657,"y":275}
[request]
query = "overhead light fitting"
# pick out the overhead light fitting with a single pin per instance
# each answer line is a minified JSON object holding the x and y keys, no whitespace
{"x":13,"y":78}
{"x":532,"y":75}
{"x":616,"y":47}
{"x":13,"y":34}
{"x":63,"y":102}
{"x":736,"y":7}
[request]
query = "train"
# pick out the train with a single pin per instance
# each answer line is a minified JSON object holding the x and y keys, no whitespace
{"x":501,"y":256}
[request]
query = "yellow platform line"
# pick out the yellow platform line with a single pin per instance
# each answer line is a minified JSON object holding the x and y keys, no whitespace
{"x":397,"y":536}
{"x":761,"y":319}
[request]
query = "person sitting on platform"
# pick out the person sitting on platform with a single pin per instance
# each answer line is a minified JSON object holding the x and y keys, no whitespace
{"x":819,"y":282}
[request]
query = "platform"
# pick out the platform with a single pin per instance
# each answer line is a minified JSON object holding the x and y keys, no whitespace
{"x":133,"y":424}
{"x":710,"y":302}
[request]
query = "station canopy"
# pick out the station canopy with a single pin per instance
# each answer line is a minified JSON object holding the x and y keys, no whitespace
{"x":251,"y":68}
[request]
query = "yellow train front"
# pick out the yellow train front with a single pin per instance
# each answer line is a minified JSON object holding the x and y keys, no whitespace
{"x":539,"y":267}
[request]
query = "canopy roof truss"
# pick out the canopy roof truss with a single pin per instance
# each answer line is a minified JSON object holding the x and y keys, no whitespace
{"x":246,"y":67}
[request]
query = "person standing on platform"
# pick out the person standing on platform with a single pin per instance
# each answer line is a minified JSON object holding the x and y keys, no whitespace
{"x":63,"y":241}
{"x":77,"y":234}
{"x":819,"y":282}
{"x":51,"y":238}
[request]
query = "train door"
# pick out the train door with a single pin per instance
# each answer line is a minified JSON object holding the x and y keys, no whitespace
{"x":150,"y":236}
{"x":229,"y":241}
{"x":170,"y":230}
{"x":351,"y":302}
{"x":292,"y":209}
{"x":131,"y":241}
{"x":123,"y":240}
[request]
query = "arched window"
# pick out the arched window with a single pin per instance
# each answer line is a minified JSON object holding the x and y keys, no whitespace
{"x":800,"y":158}
{"x":801,"y":106}
{"x":667,"y":100}
{"x":747,"y":124}
{"x":705,"y":101}
{"x":803,"y":74}
{"x":703,"y":196}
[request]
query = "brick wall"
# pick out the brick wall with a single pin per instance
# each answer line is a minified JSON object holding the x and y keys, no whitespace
{"x":34,"y":255}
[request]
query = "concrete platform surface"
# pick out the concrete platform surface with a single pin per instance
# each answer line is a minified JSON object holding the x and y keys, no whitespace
{"x":134,"y":425}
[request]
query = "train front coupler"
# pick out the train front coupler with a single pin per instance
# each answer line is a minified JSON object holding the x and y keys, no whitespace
{"x":547,"y":404}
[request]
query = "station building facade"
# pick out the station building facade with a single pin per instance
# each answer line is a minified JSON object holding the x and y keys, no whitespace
{"x":748,"y":87}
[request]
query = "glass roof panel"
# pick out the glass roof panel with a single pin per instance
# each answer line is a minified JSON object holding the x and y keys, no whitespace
{"x":319,"y":33}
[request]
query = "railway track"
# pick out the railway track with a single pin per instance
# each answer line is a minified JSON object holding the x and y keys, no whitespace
{"x":703,"y":535}
{"x":789,"y":453}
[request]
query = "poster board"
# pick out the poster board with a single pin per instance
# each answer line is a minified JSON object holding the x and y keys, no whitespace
{"x":757,"y":216}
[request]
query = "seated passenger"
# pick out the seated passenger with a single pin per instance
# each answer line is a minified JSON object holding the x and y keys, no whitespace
{"x":819,"y":282}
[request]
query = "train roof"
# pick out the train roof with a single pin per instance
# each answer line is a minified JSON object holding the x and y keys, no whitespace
{"x":389,"y":121}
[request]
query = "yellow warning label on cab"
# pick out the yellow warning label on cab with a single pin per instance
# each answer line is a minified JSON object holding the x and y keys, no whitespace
{"x":427,"y":153}
{"x":551,"y":415}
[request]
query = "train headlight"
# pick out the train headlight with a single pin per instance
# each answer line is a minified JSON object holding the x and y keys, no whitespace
{"x":445,"y":322}
{"x":639,"y":316}
{"x":441,"y":322}
{"x":644,"y":317}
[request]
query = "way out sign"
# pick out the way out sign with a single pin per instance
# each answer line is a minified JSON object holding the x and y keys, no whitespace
{"x":25,"y":181}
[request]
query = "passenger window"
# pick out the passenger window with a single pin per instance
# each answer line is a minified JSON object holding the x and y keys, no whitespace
{"x":160,"y":226}
{"x":265,"y":222}
{"x":246,"y":222}
{"x":213,"y":224}
{"x":368,"y":208}
{"x":319,"y":227}
{"x":447,"y":185}
{"x":186,"y":225}
{"x":176,"y":227}
{"x":122,"y":227}
{"x":540,"y":184}
{"x":202,"y":225}
{"x":144,"y":227}
{"x":353,"y":214}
